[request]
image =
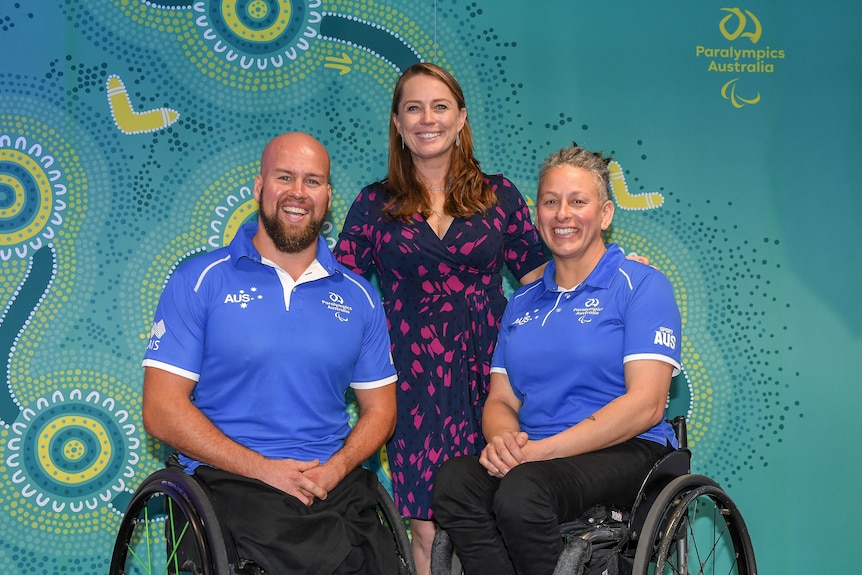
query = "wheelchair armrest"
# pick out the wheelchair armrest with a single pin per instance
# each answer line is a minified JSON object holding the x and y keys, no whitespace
{"x":673,"y":465}
{"x":680,"y":429}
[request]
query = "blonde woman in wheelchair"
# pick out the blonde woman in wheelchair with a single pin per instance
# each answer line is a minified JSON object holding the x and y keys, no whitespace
{"x":579,"y":383}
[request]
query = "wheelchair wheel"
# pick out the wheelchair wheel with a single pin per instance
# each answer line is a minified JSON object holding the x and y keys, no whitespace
{"x":694,"y":528}
{"x":390,"y":517}
{"x":169,"y":527}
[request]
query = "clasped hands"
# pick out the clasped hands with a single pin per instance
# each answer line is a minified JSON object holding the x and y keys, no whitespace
{"x":305,"y":480}
{"x":504,"y":451}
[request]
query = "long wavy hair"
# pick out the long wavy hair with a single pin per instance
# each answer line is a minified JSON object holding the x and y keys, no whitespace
{"x":468,"y":192}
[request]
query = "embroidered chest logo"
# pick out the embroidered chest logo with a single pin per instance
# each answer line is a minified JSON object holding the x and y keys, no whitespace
{"x":592,"y":307}
{"x":336,"y":303}
{"x":665,"y":336}
{"x":526,"y":318}
{"x":243,"y":298}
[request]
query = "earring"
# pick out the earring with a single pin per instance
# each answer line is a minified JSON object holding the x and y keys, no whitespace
{"x":402,"y":141}
{"x":458,"y":139}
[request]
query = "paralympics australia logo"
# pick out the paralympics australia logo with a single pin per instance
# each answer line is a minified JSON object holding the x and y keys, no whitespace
{"x":742,"y":57}
{"x":590,"y":309}
{"x":336,"y":303}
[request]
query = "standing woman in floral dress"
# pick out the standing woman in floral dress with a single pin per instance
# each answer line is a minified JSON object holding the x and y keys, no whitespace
{"x":438,"y":232}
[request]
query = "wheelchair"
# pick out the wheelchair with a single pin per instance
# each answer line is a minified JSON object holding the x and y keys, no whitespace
{"x":680,"y":523}
{"x":170,"y":527}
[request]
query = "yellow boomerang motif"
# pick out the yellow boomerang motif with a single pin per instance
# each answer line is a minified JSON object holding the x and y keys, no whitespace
{"x":131,"y":122}
{"x":627,"y":201}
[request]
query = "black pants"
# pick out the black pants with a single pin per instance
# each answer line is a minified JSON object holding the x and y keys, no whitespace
{"x":511,"y":526}
{"x":341,"y":534}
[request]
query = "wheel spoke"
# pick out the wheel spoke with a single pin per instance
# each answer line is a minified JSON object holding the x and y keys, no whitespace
{"x":694,"y":528}
{"x":148,"y":566}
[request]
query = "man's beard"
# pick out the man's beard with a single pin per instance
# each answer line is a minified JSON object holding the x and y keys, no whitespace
{"x":290,"y":240}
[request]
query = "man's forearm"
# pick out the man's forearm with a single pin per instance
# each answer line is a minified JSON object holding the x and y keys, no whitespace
{"x":169,"y":415}
{"x":365,"y":439}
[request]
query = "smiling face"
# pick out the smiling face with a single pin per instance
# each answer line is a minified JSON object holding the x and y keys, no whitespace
{"x":428,"y":118}
{"x":571,"y":214}
{"x":293,"y":193}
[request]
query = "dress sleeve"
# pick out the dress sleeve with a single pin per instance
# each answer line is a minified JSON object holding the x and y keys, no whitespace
{"x":524,"y":251}
{"x":354,"y":246}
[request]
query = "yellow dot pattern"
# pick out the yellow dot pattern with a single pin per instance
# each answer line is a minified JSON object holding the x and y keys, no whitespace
{"x":18,"y":194}
{"x":46,"y":202}
{"x":66,"y":522}
{"x":43,"y":448}
{"x":13,"y":271}
{"x":695,"y":370}
{"x":259,"y":9}
{"x":240,"y":215}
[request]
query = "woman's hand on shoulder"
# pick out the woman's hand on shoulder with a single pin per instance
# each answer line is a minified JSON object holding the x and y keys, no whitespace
{"x":637,"y":258}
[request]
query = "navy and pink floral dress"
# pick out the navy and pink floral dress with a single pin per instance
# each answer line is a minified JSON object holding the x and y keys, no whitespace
{"x":443,"y":299}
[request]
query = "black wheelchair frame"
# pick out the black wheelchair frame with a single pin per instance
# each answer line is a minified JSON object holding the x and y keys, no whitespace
{"x":170,"y":527}
{"x":680,"y":523}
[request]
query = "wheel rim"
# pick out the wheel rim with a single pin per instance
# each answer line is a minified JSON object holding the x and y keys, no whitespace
{"x":160,"y":539}
{"x":704,"y":535}
{"x":169,"y":528}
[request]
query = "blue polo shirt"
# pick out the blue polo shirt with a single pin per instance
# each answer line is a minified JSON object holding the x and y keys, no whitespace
{"x":564,"y":351}
{"x":272,"y":358}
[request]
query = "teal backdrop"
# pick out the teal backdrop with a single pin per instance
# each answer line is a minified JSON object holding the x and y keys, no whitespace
{"x":130,"y":134}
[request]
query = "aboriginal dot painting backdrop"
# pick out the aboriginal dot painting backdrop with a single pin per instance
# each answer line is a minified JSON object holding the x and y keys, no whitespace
{"x":130,"y":133}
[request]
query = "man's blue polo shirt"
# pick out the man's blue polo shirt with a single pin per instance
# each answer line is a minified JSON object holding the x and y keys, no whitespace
{"x":564,"y":351}
{"x":272,"y":358}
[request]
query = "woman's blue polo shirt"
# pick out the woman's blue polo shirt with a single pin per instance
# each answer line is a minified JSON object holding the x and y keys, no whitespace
{"x":564,"y":351}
